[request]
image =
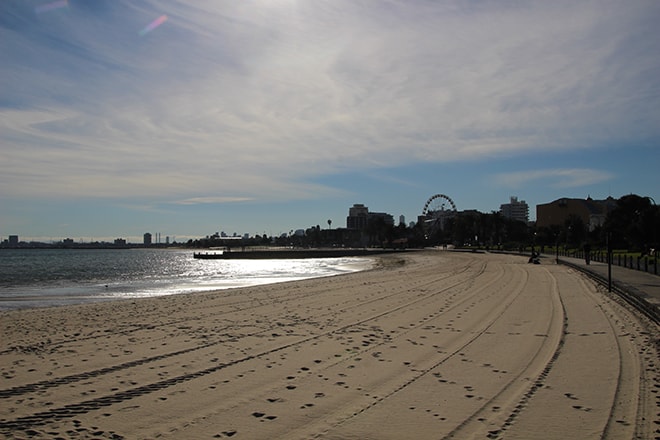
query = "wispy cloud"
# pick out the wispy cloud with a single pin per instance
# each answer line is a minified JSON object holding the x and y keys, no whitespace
{"x":210,"y":200}
{"x":231,"y":101}
{"x":557,"y":178}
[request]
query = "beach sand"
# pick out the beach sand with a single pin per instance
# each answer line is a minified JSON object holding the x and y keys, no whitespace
{"x":428,"y":345}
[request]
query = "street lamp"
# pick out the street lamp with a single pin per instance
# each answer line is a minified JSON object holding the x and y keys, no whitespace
{"x":609,"y":262}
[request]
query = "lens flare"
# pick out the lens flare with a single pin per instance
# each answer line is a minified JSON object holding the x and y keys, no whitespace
{"x":153,"y":25}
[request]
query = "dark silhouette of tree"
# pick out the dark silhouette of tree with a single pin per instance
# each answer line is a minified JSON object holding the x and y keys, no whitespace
{"x":576,"y":231}
{"x":378,"y":231}
{"x":634,"y":223}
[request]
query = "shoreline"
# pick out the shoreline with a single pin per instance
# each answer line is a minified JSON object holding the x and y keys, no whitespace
{"x":193,"y":276}
{"x":429,"y":344}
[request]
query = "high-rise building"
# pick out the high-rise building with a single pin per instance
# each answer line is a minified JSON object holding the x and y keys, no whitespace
{"x":515,"y":210}
{"x":357,"y":217}
{"x":147,"y":239}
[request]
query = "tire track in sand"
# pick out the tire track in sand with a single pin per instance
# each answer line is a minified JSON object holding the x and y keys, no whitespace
{"x":73,"y":409}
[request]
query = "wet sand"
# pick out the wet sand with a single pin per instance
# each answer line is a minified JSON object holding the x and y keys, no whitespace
{"x":429,"y":345}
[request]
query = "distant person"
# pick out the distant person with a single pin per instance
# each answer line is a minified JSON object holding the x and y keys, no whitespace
{"x":587,"y":254}
{"x":534,"y":259}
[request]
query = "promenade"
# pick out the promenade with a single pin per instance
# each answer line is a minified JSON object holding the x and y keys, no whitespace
{"x":643,"y":284}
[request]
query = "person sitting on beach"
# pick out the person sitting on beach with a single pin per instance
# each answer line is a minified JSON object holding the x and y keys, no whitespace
{"x":534,"y":259}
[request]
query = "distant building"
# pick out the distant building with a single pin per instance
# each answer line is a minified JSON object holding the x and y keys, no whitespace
{"x":402,"y":219}
{"x":13,"y":240}
{"x":388,"y":219}
{"x":515,"y":210}
{"x":359,"y":217}
{"x":147,"y":239}
{"x":592,"y":212}
{"x":120,"y":242}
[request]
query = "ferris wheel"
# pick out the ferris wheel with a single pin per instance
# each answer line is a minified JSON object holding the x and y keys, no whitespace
{"x":437,"y":209}
{"x":437,"y":204}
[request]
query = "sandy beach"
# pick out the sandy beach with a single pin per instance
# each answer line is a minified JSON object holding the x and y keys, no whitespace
{"x":428,"y":345}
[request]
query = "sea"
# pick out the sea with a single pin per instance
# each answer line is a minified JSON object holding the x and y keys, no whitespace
{"x":31,"y":278}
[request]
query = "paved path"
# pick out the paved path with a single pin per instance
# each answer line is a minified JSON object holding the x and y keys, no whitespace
{"x":643,"y":284}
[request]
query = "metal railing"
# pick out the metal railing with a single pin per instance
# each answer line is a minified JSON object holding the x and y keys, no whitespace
{"x":646,"y":263}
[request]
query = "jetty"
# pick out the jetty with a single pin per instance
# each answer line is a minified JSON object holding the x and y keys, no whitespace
{"x":267,"y":254}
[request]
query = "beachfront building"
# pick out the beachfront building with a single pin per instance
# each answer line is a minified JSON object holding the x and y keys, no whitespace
{"x":359,"y":217}
{"x":147,"y":239}
{"x":515,"y":210}
{"x":592,"y":212}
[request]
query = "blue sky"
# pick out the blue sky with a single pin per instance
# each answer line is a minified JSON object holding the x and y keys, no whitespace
{"x":265,"y":116}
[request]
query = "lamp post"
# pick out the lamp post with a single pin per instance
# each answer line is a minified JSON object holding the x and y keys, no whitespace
{"x":609,"y":263}
{"x":655,"y":230}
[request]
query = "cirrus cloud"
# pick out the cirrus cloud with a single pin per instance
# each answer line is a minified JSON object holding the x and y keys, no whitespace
{"x":557,"y":178}
{"x":233,"y":101}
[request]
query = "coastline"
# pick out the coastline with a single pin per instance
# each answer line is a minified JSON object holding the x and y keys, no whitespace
{"x":430,"y":344}
{"x":54,"y":278}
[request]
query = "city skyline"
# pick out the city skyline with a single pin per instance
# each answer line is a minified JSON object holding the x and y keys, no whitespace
{"x":514,"y":209}
{"x":270,"y":116}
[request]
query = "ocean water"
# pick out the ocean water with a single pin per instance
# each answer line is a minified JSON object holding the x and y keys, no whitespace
{"x":53,"y":277}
